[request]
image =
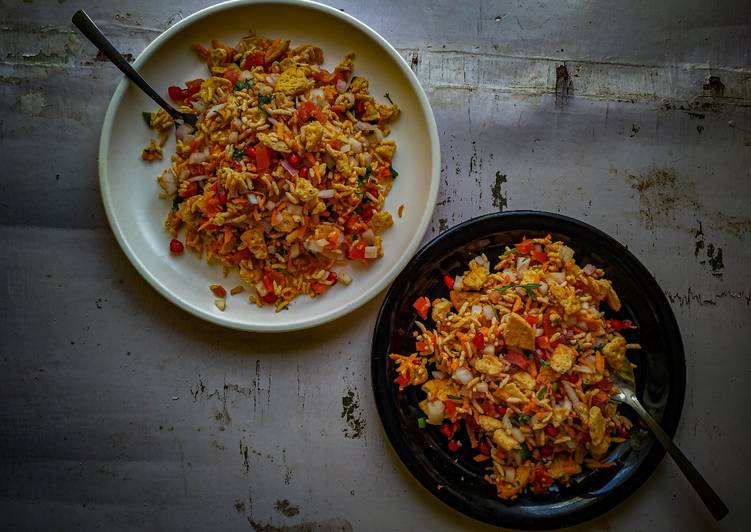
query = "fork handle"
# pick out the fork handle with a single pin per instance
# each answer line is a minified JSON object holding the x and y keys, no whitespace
{"x":710,"y":498}
{"x":97,"y":38}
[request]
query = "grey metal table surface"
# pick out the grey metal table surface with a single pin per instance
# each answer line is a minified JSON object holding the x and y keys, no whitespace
{"x":120,"y":411}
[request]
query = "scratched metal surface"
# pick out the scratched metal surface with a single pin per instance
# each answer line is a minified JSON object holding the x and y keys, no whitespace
{"x":120,"y":411}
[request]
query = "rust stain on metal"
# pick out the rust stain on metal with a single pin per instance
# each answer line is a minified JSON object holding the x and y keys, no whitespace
{"x":353,"y":419}
{"x":500,"y":198}
{"x":690,"y":297}
{"x":287,"y":509}
{"x":244,"y":454}
{"x":714,"y":88}
{"x":240,"y":506}
{"x":562,"y":85}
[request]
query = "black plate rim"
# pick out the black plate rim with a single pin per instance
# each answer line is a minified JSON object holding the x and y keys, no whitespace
{"x":381,"y":385}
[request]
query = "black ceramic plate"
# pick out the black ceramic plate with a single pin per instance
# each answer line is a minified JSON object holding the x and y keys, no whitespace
{"x":454,"y":477}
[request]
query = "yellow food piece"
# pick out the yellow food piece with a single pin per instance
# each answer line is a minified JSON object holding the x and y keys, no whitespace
{"x":476,"y":277}
{"x":525,"y":380}
{"x":304,"y":190}
{"x":563,"y":358}
{"x":311,"y":135}
{"x":615,"y":352}
{"x":504,"y":441}
{"x":566,"y":296}
{"x":518,"y":333}
{"x":440,"y":389}
{"x":381,"y":221}
{"x":489,"y":365}
{"x":489,"y":424}
{"x":596,"y":425}
{"x":256,"y":243}
{"x":440,"y":308}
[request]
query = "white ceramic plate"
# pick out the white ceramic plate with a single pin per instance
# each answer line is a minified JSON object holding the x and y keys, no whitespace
{"x":130,"y":192}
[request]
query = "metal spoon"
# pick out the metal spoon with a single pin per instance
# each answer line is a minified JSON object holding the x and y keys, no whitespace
{"x":92,"y":32}
{"x":625,"y":382}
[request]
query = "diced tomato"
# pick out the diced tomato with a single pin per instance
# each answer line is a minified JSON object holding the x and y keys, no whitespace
{"x":542,"y":342}
{"x":446,"y":430}
{"x":359,"y":108}
{"x":294,"y":160}
{"x":484,"y":448}
{"x":190,"y":191}
{"x":402,"y":380}
{"x":617,"y":325}
{"x":501,"y":409}
{"x":250,"y":151}
{"x":422,"y":305}
{"x":453,"y":446}
{"x":603,"y":384}
{"x":570,"y":377}
{"x":450,"y":407}
{"x":307,"y":110}
{"x":532,"y":320}
{"x":479,"y":340}
{"x":547,"y":326}
{"x":539,"y":256}
{"x":303,"y":171}
{"x":222,"y":197}
{"x":218,"y":290}
{"x":551,"y":431}
{"x":232,"y":75}
{"x":546,"y":451}
{"x":331,"y":277}
{"x":268,"y":282}
{"x":623,"y":432}
{"x":354,"y":225}
{"x":421,"y":346}
{"x":179,"y":94}
{"x":256,"y":58}
{"x":515,"y":357}
{"x":263,"y":157}
{"x":525,"y":246}
{"x":176,"y":247}
{"x":357,"y":251}
{"x":269,"y":298}
{"x":367,"y":213}
{"x":448,"y":281}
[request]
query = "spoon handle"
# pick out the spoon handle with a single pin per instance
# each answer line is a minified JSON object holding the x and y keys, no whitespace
{"x":92,"y":32}
{"x":712,"y":501}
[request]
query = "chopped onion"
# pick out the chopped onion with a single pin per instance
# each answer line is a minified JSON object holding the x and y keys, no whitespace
{"x":344,"y":277}
{"x":272,"y":121}
{"x":583,"y":369}
{"x":509,"y":474}
{"x":197,"y":178}
{"x":345,"y":148}
{"x":294,"y":251}
{"x":168,"y":178}
{"x":543,"y":288}
{"x":252,"y":199}
{"x":566,"y":403}
{"x":462,"y":375}
{"x":266,"y":226}
{"x":322,"y":242}
{"x":270,"y":204}
{"x":355,"y":144}
{"x":232,"y":137}
{"x":378,"y":135}
{"x":589,"y":269}
{"x":368,"y":236}
{"x":488,"y":312}
{"x":364,"y":126}
{"x":271,"y":79}
{"x":517,"y":434}
{"x":571,"y":444}
{"x":438,"y":375}
{"x":199,"y":106}
{"x":481,"y":387}
{"x":318,"y":97}
{"x":522,"y":264}
{"x":571,"y":393}
{"x":341,"y":85}
{"x":566,"y":253}
{"x":291,"y":169}
{"x":371,"y":252}
{"x":458,"y":282}
{"x":585,"y":304}
{"x":476,"y":309}
{"x":326,"y":193}
{"x":215,"y":109}
{"x":482,"y":261}
{"x":366,"y":158}
{"x":295,"y":209}
{"x":558,"y":277}
{"x":314,"y":246}
{"x":272,"y":249}
{"x":261,"y":289}
{"x":245,"y":75}
{"x":435,"y":411}
{"x":183,"y":130}
{"x":199,"y":156}
{"x":489,"y":349}
{"x":511,"y":274}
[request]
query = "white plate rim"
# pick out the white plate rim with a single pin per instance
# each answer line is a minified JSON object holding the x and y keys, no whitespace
{"x":271,"y":326}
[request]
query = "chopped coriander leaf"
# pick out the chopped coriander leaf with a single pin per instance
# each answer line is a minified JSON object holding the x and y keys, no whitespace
{"x":519,"y":420}
{"x":524,"y":451}
{"x":543,"y":363}
{"x":421,"y":422}
{"x":264,"y":99}
{"x":394,"y":173}
{"x":527,"y":288}
{"x":177,"y":201}
{"x":240,"y":85}
{"x":368,"y":171}
{"x":388,"y":97}
{"x":455,"y":397}
{"x":146,"y":118}
{"x":541,"y":393}
{"x":237,"y":154}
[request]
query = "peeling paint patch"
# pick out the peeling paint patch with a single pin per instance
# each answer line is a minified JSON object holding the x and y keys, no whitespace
{"x":284,"y":507}
{"x":351,"y":414}
{"x":33,"y":103}
{"x":244,"y":454}
{"x":660,"y":193}
{"x":500,"y":198}
{"x":443,"y":224}
{"x":690,"y":297}
{"x":328,"y":525}
{"x":240,"y":506}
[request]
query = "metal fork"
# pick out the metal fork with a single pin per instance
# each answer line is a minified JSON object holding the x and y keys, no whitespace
{"x":625,"y":382}
{"x":92,"y":32}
